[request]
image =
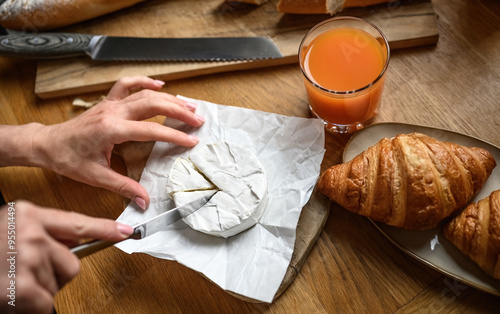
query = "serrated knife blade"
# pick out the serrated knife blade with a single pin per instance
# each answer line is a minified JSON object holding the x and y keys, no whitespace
{"x":146,"y":228}
{"x":113,"y":48}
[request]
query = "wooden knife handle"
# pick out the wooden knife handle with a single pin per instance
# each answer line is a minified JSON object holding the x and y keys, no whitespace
{"x":45,"y":45}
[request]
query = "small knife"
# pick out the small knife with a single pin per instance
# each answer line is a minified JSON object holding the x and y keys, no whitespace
{"x":110,"y":48}
{"x":146,"y":228}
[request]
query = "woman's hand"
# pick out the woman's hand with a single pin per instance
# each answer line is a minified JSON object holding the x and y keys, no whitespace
{"x":81,"y":147}
{"x":39,"y":263}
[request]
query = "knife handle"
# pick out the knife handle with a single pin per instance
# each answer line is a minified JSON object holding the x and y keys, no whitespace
{"x":96,"y":245}
{"x":45,"y":45}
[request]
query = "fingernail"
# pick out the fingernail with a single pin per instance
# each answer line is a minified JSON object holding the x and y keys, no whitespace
{"x":140,"y":202}
{"x":159,"y":83}
{"x":191,"y":105}
{"x":194,"y":138}
{"x":200,"y":118}
{"x":125,"y":229}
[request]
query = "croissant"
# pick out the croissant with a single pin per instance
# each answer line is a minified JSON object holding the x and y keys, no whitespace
{"x":476,"y":232}
{"x":411,"y":181}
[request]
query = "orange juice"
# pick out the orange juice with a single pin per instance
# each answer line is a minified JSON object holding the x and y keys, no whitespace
{"x":343,"y":69}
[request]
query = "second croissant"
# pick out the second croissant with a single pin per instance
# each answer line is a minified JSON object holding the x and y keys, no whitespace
{"x":411,"y":181}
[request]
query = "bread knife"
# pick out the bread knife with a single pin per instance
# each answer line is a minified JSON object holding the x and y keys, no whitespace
{"x":146,"y":228}
{"x":113,"y":48}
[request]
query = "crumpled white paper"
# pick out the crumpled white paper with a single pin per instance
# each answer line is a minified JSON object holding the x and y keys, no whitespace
{"x":254,"y":262}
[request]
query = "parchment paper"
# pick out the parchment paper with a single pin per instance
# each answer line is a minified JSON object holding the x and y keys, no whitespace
{"x":254,"y":262}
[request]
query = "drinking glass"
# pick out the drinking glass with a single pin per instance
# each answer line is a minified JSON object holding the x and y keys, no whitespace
{"x":344,"y":62}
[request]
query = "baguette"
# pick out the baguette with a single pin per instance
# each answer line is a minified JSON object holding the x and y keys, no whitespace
{"x":323,"y":6}
{"x":476,"y":233}
{"x":40,"y":15}
{"x":412,"y":181}
{"x":257,"y":2}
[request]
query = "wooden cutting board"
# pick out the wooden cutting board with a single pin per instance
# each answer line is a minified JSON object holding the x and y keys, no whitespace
{"x":406,"y":23}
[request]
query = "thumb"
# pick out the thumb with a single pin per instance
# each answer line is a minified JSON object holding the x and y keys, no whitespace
{"x":124,"y":186}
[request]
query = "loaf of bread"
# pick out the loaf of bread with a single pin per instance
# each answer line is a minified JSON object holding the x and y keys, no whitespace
{"x":476,"y":232}
{"x":411,"y":181}
{"x":39,"y":15}
{"x":323,"y":6}
{"x":257,"y":2}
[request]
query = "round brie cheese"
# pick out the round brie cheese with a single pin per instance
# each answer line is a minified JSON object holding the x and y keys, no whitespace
{"x":235,"y":178}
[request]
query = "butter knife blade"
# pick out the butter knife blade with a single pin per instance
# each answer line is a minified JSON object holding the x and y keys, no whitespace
{"x":146,"y":228}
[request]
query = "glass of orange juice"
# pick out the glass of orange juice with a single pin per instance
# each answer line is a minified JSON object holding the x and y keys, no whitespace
{"x":344,"y":61}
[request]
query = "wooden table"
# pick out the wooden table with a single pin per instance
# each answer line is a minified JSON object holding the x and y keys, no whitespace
{"x":352,"y":268}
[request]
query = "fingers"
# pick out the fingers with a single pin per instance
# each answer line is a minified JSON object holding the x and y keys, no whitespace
{"x":41,"y":275}
{"x":65,"y":264}
{"x":124,"y":186}
{"x":151,"y":131}
{"x":39,"y":264}
{"x":43,"y":264}
{"x":78,"y":226}
{"x":31,"y":296}
{"x":125,"y":86}
{"x":147,"y":104}
{"x":54,"y":269}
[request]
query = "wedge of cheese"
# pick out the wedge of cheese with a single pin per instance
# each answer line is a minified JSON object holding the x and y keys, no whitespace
{"x":235,"y":178}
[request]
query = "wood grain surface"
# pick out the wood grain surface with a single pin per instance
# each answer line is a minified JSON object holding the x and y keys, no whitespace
{"x":406,"y":24}
{"x":352,"y":268}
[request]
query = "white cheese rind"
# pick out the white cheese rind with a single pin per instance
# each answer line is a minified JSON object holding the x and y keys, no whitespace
{"x":241,"y":188}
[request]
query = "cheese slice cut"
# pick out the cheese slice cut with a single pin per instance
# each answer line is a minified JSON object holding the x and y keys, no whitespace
{"x":235,"y":178}
{"x":185,"y":177}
